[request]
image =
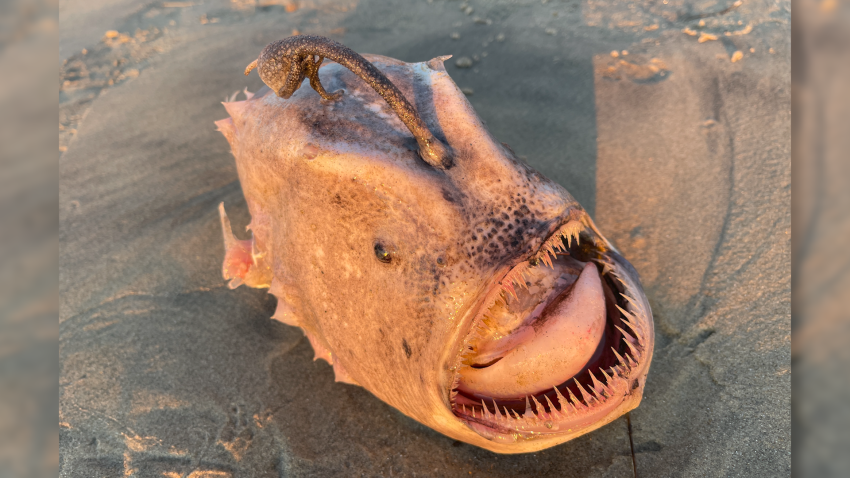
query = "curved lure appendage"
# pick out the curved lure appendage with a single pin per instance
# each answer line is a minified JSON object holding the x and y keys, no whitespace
{"x":283,"y":65}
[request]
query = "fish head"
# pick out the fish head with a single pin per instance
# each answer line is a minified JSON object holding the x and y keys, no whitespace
{"x":479,"y":300}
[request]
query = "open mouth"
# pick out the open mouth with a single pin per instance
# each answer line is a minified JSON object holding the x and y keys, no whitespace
{"x":557,"y":343}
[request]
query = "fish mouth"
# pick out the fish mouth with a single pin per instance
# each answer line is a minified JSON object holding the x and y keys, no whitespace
{"x":558,"y":344}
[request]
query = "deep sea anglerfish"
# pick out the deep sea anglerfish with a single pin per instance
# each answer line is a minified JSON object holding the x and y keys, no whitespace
{"x":423,"y":259}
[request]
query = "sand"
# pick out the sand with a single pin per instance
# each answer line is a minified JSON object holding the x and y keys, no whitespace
{"x":681,"y":155}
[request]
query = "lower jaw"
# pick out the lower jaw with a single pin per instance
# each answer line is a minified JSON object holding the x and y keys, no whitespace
{"x":576,"y":421}
{"x":508,"y":438}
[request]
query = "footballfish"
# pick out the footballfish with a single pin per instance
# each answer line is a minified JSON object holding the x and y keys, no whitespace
{"x":423,"y":259}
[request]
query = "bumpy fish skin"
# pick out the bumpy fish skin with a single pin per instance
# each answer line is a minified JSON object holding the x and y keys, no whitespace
{"x":383,"y":260}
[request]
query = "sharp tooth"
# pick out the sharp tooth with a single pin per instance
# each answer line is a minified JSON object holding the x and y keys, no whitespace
{"x":632,"y":363}
{"x":561,"y":401}
{"x":473,"y":412}
{"x":464,"y":409}
{"x":587,"y":397}
{"x":598,"y":389}
{"x":517,"y":277}
{"x":607,"y":380}
{"x":619,"y":357}
{"x":637,"y":334}
{"x":634,"y":303}
{"x":515,"y":417}
{"x":631,"y":346}
{"x":545,"y":252}
{"x":628,"y":314}
{"x":544,"y":258}
{"x":486,"y":410}
{"x":560,"y":242}
{"x":529,"y":413}
{"x":508,"y":285}
{"x":575,"y":401}
{"x":626,"y":336}
{"x":498,"y":413}
{"x":541,"y":412}
{"x":553,"y":411}
{"x":569,"y":237}
{"x":632,"y":321}
{"x":532,"y":419}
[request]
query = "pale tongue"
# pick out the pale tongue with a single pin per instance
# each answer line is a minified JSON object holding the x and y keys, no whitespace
{"x":559,"y":349}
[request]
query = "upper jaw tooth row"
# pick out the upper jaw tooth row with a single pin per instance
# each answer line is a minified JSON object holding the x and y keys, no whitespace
{"x":555,"y":242}
{"x":546,"y":255}
{"x":569,"y":231}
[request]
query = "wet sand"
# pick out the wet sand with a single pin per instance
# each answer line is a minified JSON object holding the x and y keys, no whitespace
{"x":681,"y":155}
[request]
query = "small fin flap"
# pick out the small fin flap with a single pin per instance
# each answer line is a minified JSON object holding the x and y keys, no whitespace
{"x":341,"y":375}
{"x":284,"y":313}
{"x":236,"y":109}
{"x":436,"y":64}
{"x":276,"y":289}
{"x":228,"y":129}
{"x":243,"y":262}
{"x":237,"y":253}
{"x":319,"y":350}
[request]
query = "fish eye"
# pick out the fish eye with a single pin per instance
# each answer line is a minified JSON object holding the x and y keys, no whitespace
{"x":382,"y":253}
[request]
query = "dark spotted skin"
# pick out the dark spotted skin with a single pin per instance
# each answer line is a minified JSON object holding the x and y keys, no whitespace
{"x":284,"y":64}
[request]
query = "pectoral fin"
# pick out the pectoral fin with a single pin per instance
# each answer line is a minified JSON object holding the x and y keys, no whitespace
{"x":243,"y":261}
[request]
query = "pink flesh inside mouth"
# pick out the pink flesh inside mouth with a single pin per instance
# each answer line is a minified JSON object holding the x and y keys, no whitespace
{"x":533,"y":357}
{"x":551,"y":352}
